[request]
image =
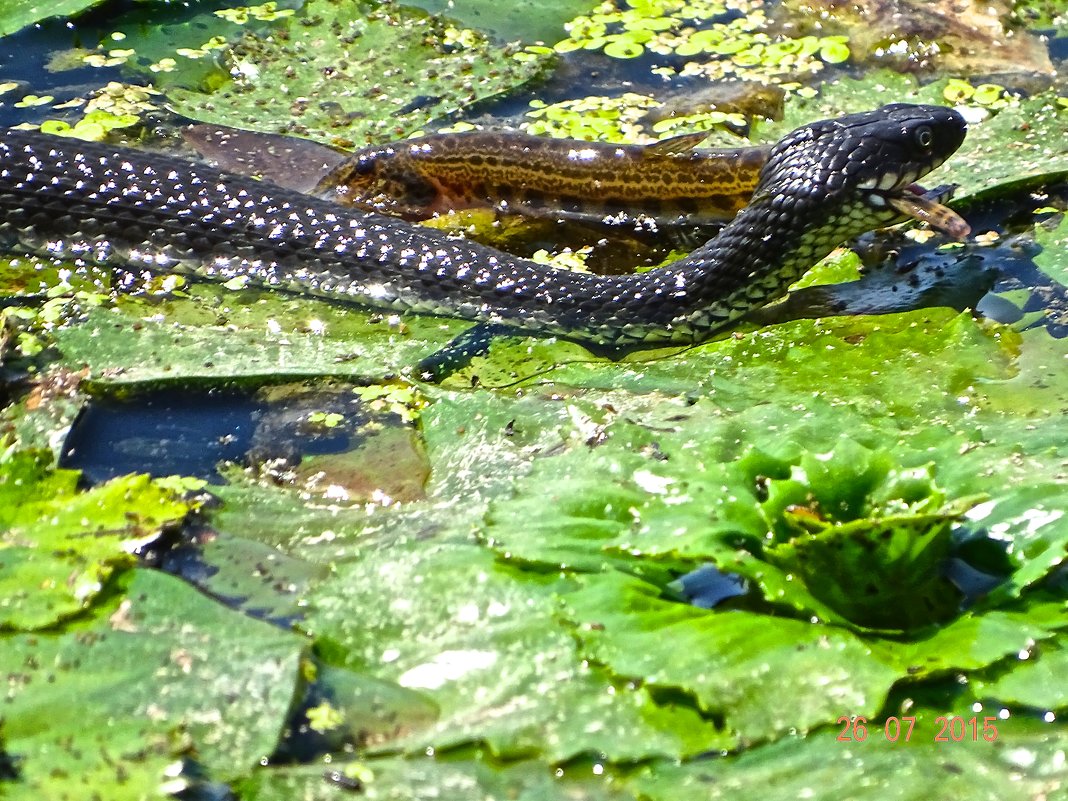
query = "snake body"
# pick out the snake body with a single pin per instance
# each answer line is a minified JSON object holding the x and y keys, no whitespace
{"x":823,"y":184}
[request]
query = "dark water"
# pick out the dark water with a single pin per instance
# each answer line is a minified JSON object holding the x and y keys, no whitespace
{"x":173,"y":433}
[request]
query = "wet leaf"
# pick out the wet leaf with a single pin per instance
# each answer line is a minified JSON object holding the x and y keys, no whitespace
{"x":493,"y":659}
{"x":342,"y":64}
{"x":134,"y":688}
{"x":1023,"y":760}
{"x":1034,"y":683}
{"x":17,"y":14}
{"x":738,"y":664}
{"x":60,"y":547}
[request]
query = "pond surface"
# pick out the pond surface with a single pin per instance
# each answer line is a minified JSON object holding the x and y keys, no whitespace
{"x":248,"y":551}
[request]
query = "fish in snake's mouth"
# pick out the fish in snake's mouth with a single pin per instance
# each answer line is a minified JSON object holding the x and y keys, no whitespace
{"x":914,"y":201}
{"x":917,"y":203}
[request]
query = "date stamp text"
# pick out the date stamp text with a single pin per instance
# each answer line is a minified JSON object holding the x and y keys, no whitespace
{"x":948,"y":729}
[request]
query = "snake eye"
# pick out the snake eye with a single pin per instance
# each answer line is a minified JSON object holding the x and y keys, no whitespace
{"x":924,"y":137}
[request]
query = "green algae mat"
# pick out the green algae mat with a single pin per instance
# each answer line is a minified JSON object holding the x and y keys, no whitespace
{"x":822,"y":558}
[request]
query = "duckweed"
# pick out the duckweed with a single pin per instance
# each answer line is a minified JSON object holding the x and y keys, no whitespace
{"x":400,"y":399}
{"x":566,"y":259}
{"x":93,"y":127}
{"x":739,"y":47}
{"x":619,"y":119}
{"x":122,"y":99}
{"x":163,"y":65}
{"x":326,"y":419}
{"x":214,"y":43}
{"x":611,"y":119}
{"x":323,"y":718}
{"x":30,"y":101}
{"x":113,"y":58}
{"x":264,"y":13}
{"x":698,"y":122}
{"x":988,"y":95}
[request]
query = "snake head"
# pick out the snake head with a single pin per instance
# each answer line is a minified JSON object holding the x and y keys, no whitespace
{"x":859,"y":171}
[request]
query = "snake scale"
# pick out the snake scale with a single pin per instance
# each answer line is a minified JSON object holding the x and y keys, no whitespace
{"x":822,"y":185}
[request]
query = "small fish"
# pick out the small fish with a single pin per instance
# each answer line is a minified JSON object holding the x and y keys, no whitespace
{"x":670,"y":182}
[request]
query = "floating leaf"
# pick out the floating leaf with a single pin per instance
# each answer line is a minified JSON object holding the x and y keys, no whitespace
{"x":320,"y":55}
{"x":60,"y":547}
{"x":157,"y":672}
{"x":18,"y":14}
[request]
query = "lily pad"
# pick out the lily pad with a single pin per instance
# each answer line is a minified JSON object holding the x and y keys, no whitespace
{"x":60,"y":547}
{"x":133,"y":689}
{"x":522,"y":20}
{"x":17,"y":14}
{"x":357,"y":71}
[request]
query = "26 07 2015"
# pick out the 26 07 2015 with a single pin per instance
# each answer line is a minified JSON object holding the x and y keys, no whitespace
{"x":949,"y":729}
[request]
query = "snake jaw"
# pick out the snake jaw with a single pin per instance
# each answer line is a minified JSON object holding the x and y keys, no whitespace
{"x":911,"y":200}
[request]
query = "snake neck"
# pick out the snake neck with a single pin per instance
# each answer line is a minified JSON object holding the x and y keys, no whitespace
{"x":750,"y":263}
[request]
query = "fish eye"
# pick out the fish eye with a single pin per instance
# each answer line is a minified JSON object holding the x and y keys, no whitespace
{"x":924,"y":137}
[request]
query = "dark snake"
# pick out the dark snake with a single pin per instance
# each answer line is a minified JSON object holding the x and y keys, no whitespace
{"x":823,"y":184}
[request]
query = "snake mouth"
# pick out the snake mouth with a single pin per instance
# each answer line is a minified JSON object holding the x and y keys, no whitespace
{"x":913,"y":201}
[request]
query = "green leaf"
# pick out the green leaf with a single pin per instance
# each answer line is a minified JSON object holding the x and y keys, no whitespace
{"x":216,"y":333}
{"x":1024,"y":762}
{"x":1036,"y":681}
{"x":882,"y":573}
{"x":17,"y":14}
{"x":60,"y":547}
{"x":743,"y":665}
{"x":1052,"y":259}
{"x":866,"y":537}
{"x":272,"y":589}
{"x":736,"y":664}
{"x":326,"y":57}
{"x":525,"y":20}
{"x":463,"y":778}
{"x":110,"y":703}
{"x":481,"y":641}
{"x":1024,"y":144}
